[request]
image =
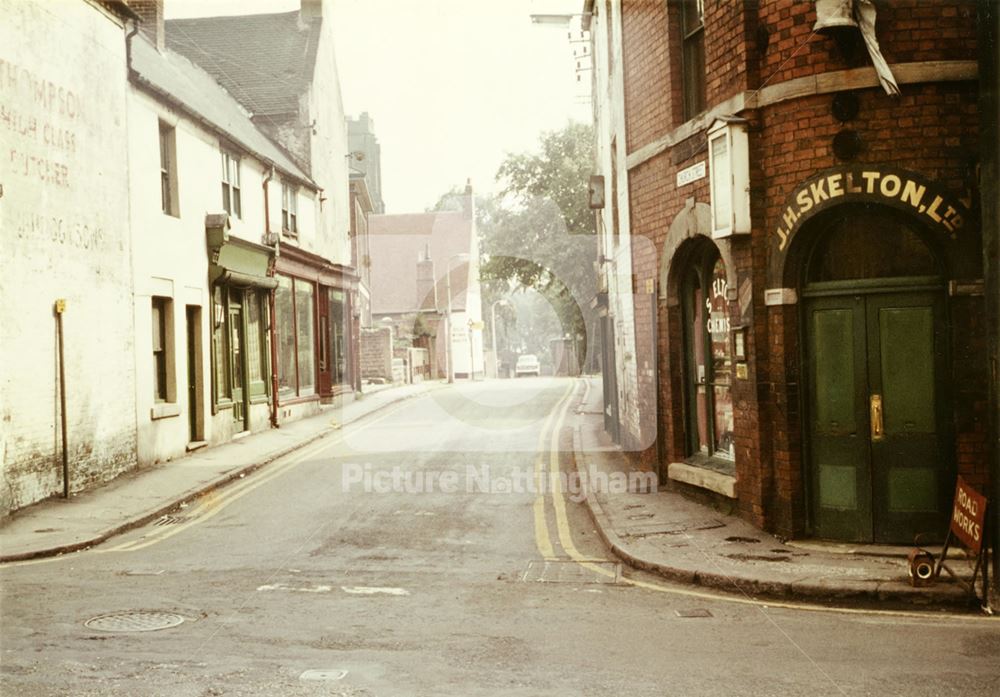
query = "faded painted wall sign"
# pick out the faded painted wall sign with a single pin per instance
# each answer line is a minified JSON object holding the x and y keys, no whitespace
{"x":898,"y":188}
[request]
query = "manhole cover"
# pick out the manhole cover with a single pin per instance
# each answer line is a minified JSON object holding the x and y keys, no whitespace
{"x":134,"y":621}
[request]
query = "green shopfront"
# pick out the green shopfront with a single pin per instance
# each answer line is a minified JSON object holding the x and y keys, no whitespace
{"x":241,"y":280}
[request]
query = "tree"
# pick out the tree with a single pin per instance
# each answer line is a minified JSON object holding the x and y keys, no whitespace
{"x":539,"y":232}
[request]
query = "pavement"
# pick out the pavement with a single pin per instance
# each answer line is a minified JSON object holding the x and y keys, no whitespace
{"x":58,"y":526}
{"x":670,"y":535}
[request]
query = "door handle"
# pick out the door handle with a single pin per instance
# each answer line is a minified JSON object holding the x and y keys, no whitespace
{"x":878,"y":431}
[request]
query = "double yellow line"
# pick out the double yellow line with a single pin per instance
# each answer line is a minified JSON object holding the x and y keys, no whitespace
{"x":551,"y":433}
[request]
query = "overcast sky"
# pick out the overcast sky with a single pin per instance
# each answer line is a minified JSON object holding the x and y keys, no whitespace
{"x":452,"y":85}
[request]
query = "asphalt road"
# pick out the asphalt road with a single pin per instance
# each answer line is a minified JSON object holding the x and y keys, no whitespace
{"x":457,"y":584}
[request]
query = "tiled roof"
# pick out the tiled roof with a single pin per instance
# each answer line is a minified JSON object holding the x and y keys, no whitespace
{"x":398,"y":242}
{"x":265,"y":61}
{"x":176,"y":78}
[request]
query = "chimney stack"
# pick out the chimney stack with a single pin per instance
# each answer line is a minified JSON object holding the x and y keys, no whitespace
{"x":151,"y":20}
{"x":468,"y":202}
{"x":426,"y":285}
{"x":310,"y":9}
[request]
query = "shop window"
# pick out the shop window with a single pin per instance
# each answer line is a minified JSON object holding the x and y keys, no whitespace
{"x":239,"y":342}
{"x":289,"y":209}
{"x":692,"y":14}
{"x":231,"y":202}
{"x":162,"y":326}
{"x":168,"y":170}
{"x":305,"y":336}
{"x":709,"y":363}
{"x":338,"y":331}
{"x":284,"y":310}
{"x":220,"y":347}
{"x":295,"y":313}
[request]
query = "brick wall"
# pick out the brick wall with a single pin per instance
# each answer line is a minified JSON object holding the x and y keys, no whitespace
{"x":931,"y":129}
{"x":376,"y":354}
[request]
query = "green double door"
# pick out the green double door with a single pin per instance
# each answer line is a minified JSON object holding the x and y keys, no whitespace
{"x":877,"y":458}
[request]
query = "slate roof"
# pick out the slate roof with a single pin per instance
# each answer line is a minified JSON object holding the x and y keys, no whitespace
{"x":270,"y":57}
{"x":177,"y":79}
{"x":397,"y":242}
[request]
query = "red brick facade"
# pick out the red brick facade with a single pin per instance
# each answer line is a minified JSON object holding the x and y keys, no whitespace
{"x":753,"y":49}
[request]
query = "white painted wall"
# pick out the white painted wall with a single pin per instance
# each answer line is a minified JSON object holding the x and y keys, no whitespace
{"x":64,"y":222}
{"x":329,"y":149}
{"x":171,"y":259}
{"x":609,"y":115}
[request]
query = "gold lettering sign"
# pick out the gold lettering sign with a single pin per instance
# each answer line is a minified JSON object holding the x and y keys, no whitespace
{"x":894,"y":187}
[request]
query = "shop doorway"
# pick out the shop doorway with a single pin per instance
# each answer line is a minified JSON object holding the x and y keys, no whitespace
{"x":875,"y":328}
{"x":237,"y":344}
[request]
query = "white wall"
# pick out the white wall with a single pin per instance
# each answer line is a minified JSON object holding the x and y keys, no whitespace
{"x":609,"y":113}
{"x":329,"y":149}
{"x":171,"y":260}
{"x":64,"y":222}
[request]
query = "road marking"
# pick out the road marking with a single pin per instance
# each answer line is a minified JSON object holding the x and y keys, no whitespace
{"x":294,"y":589}
{"x":542,"y":540}
{"x":327,"y":674}
{"x":566,"y":541}
{"x":373,"y":590}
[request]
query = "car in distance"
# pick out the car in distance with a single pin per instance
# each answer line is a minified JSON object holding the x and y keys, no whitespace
{"x":527,"y":364}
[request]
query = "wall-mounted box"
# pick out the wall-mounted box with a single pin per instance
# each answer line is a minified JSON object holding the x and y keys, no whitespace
{"x":729,"y":176}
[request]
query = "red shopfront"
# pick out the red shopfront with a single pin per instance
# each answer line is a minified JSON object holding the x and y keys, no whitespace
{"x":314,"y":332}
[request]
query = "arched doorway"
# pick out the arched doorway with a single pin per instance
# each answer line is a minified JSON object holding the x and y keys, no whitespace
{"x":876,"y":408}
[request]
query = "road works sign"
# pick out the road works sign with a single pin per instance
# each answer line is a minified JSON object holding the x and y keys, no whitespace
{"x":968,"y":516}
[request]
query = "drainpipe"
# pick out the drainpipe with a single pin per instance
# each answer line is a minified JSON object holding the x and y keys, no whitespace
{"x":272,"y":330}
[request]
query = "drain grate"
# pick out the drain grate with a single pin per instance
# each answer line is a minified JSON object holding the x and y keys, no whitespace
{"x":134,"y":621}
{"x":693,"y":612}
{"x":171,"y":520}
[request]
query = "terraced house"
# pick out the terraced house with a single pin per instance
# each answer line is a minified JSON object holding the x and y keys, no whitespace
{"x":190,"y":207}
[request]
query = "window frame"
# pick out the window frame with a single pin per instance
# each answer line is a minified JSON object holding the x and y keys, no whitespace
{"x":289,"y":209}
{"x":169,"y":203}
{"x":163,"y":350}
{"x":231,"y":198}
{"x":693,"y":77}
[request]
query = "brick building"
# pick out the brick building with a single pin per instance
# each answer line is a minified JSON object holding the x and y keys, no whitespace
{"x":795,"y":255}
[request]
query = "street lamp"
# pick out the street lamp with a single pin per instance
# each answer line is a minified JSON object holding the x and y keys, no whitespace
{"x":448,"y":358}
{"x":493,"y":333}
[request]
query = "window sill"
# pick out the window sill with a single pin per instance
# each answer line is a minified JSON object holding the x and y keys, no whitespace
{"x":709,"y":473}
{"x":298,"y":400}
{"x":164,"y":410}
{"x":294,"y":234}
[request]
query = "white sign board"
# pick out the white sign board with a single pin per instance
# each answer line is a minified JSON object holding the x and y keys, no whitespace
{"x":691,"y":174}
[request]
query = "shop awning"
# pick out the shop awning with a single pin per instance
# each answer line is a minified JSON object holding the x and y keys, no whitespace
{"x":236,"y":261}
